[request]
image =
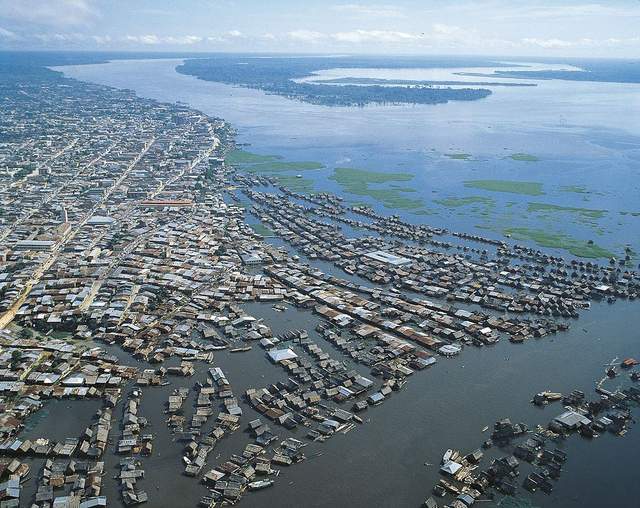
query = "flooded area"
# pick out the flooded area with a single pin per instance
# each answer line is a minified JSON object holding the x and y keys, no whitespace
{"x":567,"y":137}
{"x":325,"y":321}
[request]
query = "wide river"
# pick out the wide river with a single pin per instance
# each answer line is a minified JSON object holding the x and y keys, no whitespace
{"x":583,"y":135}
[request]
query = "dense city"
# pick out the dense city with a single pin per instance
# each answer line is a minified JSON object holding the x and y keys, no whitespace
{"x":140,"y":304}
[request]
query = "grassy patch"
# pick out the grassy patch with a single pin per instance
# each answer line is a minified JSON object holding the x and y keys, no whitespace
{"x":358,"y":181}
{"x":255,"y":163}
{"x":279,"y":166}
{"x":400,"y":188}
{"x":469,"y":200}
{"x":458,"y":156}
{"x":510,"y":186}
{"x":243,"y":157}
{"x":261,"y":229}
{"x":391,"y":199}
{"x":545,"y":238}
{"x":292,"y":182}
{"x":587,"y":213}
{"x":576,"y":189}
{"x":524,"y":157}
{"x":352,"y":177}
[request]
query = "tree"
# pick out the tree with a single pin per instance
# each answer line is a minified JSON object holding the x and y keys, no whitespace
{"x":16,"y":356}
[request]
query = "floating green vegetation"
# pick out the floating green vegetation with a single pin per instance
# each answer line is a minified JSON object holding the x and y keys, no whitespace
{"x":296,"y":184}
{"x":239,"y":156}
{"x":458,"y":156}
{"x":578,"y":248}
{"x":510,"y":186}
{"x":278,"y":166}
{"x":469,"y":200}
{"x":391,"y":200}
{"x":633,"y":214}
{"x":352,"y":177}
{"x":576,"y":189}
{"x":586,"y":213}
{"x":255,"y":163}
{"x":400,"y":188}
{"x":524,"y":157}
{"x":261,"y":229}
{"x":358,"y":181}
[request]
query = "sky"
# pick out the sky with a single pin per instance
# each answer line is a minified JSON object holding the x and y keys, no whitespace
{"x":560,"y":28}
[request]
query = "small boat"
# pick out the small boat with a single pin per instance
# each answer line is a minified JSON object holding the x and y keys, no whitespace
{"x":447,"y":456}
{"x":207,"y":502}
{"x":240,"y":349}
{"x":24,"y":472}
{"x":260,"y":484}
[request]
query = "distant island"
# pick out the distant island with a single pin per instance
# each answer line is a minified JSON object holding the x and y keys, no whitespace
{"x":603,"y":71}
{"x":276,"y":76}
{"x":409,"y":82}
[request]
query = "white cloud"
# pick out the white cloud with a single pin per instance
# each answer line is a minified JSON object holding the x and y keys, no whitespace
{"x":143,"y":39}
{"x":183,"y":40}
{"x":7,"y":34}
{"x":152,"y":39}
{"x":60,"y":37}
{"x":583,"y":43}
{"x":546,"y":43}
{"x":440,"y":37}
{"x":379,"y":11}
{"x":101,"y":39}
{"x":227,"y":36}
{"x":569,"y":11}
{"x":57,"y":13}
{"x":442,"y":29}
{"x":448,"y":37}
{"x":306,"y":36}
{"x":353,"y":36}
{"x":360,"y":36}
